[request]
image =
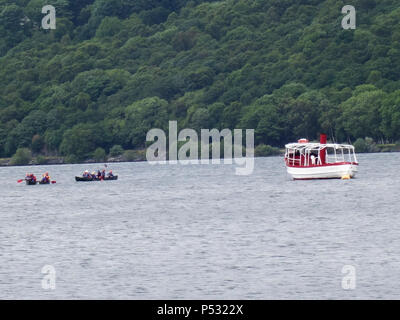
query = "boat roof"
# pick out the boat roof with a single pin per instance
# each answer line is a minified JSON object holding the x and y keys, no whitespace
{"x":317,"y":146}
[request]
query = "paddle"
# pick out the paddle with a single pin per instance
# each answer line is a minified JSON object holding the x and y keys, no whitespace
{"x":102,"y":178}
{"x":53,"y":182}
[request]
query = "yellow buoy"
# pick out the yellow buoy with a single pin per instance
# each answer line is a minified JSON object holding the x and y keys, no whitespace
{"x":346,"y":177}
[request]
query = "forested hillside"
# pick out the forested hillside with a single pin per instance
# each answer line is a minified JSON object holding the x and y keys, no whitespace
{"x":114,"y":69}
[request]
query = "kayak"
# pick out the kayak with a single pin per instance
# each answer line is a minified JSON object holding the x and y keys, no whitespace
{"x":83,"y":179}
{"x":34,"y":183}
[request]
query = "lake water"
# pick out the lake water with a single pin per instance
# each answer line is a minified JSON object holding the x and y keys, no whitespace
{"x":201,"y":232}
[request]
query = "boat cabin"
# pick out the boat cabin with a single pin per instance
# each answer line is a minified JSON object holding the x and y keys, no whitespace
{"x":306,"y":154}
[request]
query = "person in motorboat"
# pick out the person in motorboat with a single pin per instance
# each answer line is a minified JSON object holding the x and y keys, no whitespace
{"x":110,"y":174}
{"x":312,"y":159}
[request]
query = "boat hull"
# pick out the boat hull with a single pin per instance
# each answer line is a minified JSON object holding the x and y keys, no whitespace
{"x":31,"y":183}
{"x":82,"y":179}
{"x":323,"y":172}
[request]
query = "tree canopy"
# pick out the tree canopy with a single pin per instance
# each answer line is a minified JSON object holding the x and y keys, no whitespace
{"x":114,"y":69}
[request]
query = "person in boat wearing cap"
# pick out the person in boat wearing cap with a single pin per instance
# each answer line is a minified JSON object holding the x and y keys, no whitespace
{"x":86,"y":174}
{"x":110,"y":174}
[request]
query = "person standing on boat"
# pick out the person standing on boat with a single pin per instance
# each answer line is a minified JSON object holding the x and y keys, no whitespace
{"x":312,"y":159}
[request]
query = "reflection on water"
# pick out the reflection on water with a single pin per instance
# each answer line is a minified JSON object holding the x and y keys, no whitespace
{"x":201,"y":232}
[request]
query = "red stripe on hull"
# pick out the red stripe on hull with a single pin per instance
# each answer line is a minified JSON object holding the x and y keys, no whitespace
{"x":321,"y":166}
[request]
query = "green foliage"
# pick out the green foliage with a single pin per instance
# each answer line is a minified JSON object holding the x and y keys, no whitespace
{"x":99,"y":155}
{"x":37,"y":143}
{"x":116,"y":151}
{"x":263,"y":150}
{"x":361,"y":113}
{"x":371,"y":145}
{"x":134,"y":155}
{"x":23,"y":156}
{"x":360,"y":145}
{"x":366,"y":145}
{"x":114,"y":69}
{"x":71,"y":159}
{"x":41,"y":160}
{"x":129,"y":155}
{"x":110,"y":26}
{"x":81,"y":140}
{"x":143,"y":116}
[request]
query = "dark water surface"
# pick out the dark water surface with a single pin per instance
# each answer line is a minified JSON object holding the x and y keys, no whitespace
{"x":201,"y":232}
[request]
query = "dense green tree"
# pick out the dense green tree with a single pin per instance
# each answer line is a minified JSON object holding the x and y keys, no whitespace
{"x":99,"y":155}
{"x":116,"y":151}
{"x":390,"y":111}
{"x":22,"y":157}
{"x":114,"y":69}
{"x":360,"y":145}
{"x":360,"y":114}
{"x":37,"y":143}
{"x":81,"y":140}
{"x":110,"y":26}
{"x":143,"y":116}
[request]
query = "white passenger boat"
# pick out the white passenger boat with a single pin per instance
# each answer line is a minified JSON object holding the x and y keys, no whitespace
{"x":306,"y":161}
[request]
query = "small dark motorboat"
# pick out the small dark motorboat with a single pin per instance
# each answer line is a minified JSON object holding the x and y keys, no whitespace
{"x":86,"y":179}
{"x":31,"y":182}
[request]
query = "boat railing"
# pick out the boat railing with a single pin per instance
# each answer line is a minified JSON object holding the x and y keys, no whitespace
{"x":311,"y":154}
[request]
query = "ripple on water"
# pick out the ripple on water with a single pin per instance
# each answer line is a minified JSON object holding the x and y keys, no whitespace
{"x":198,"y":232}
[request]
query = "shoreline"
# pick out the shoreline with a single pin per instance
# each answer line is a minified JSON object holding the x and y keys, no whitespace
{"x":5,"y":162}
{"x":57,"y":161}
